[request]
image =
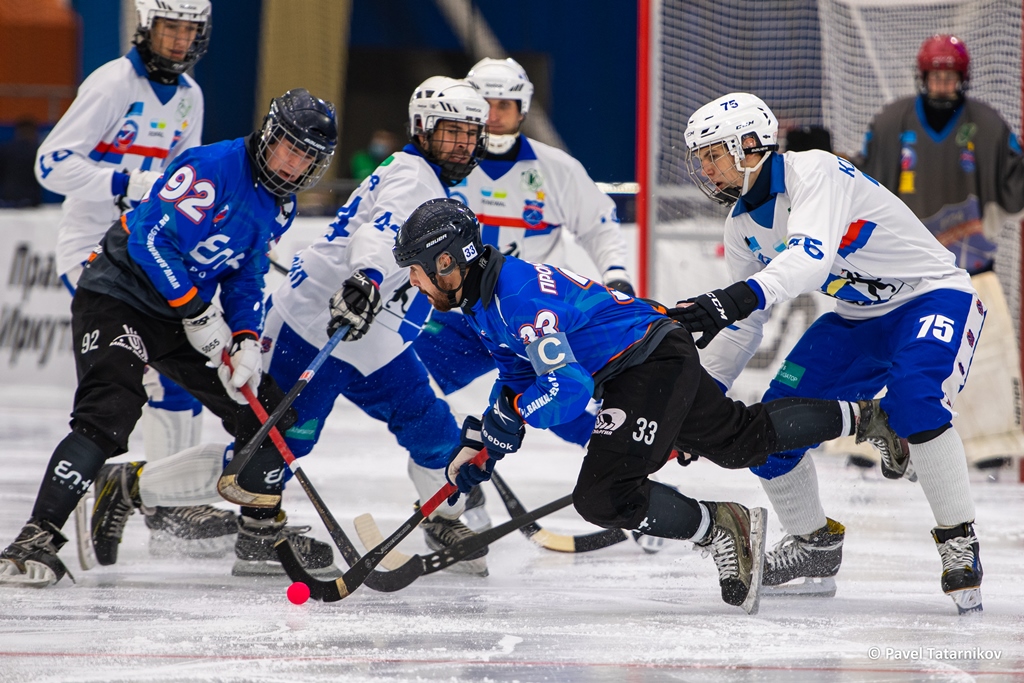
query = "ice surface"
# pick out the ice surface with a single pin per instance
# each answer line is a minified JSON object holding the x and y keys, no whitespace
{"x":612,"y":615}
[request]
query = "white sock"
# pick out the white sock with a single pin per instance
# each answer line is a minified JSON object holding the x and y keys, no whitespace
{"x":427,"y":483}
{"x":185,"y":478}
{"x":941,"y":466}
{"x":705,"y":523}
{"x":794,"y":497}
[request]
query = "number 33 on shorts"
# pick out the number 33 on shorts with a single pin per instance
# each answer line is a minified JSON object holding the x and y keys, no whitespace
{"x":645,"y":430}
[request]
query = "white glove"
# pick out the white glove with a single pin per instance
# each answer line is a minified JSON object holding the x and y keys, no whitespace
{"x":139,"y":182}
{"x":246,"y":367}
{"x":209,"y":334}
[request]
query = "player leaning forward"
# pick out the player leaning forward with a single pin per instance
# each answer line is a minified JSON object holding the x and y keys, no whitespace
{"x":906,"y":319}
{"x":146,"y":297}
{"x":131,"y":118}
{"x":559,"y":339}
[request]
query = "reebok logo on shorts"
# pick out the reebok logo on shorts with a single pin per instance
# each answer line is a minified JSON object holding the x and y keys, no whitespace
{"x":133,"y":342}
{"x":608,"y":420}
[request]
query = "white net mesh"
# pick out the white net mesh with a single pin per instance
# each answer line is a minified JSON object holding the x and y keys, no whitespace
{"x":815,"y":62}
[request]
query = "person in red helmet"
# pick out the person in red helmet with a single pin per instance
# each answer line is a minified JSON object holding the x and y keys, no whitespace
{"x":953,"y":160}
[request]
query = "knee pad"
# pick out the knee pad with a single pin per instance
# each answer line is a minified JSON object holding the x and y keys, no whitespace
{"x":166,"y":432}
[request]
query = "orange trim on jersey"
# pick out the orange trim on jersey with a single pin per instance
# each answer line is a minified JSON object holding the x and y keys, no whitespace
{"x":181,"y":301}
{"x":252,"y":332}
{"x":506,"y":222}
{"x":629,"y":347}
{"x":92,"y":257}
{"x":124,"y":224}
{"x":515,"y":406}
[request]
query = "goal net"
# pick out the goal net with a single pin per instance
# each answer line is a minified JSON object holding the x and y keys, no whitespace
{"x":829,"y":63}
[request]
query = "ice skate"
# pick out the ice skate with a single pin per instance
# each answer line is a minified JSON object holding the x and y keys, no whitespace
{"x":873,"y":427}
{"x":195,"y":531}
{"x":736,"y":542}
{"x":117,"y":497}
{"x":255,"y":554}
{"x":441,"y":533}
{"x":475,"y":515}
{"x":961,"y":566}
{"x":32,"y":560}
{"x":805,"y":565}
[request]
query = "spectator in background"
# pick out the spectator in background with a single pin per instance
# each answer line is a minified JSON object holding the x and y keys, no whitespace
{"x":803,"y":138}
{"x":18,"y":186}
{"x":383,"y":144}
{"x":954,"y":161}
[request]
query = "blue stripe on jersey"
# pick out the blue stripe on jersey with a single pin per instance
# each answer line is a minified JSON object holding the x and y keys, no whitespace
{"x":857,"y":235}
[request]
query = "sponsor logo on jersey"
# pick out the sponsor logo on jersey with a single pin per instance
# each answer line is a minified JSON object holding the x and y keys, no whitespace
{"x":222,"y":214}
{"x":184,"y":107}
{"x":135,"y":109}
{"x":497,"y":194}
{"x":533,"y":212}
{"x":790,"y":374}
{"x":531,"y":180}
{"x":125,"y":137}
{"x":133,"y":342}
{"x":303,"y":432}
{"x":608,"y":420}
{"x":965,"y":134}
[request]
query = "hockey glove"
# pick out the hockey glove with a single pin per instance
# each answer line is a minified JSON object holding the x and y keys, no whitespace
{"x":685,"y":458}
{"x":246,"y":366}
{"x":355,"y":304}
{"x":503,"y":428}
{"x":209,"y":334}
{"x":621,"y":285}
{"x":138,"y":184}
{"x":712,"y":312}
{"x":470,"y":476}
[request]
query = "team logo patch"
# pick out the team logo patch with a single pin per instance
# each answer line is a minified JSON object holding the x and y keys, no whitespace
{"x":531,"y":180}
{"x":125,"y":137}
{"x":266,"y":343}
{"x":533,"y":212}
{"x":908,"y":159}
{"x":222,"y":214}
{"x":967,"y":160}
{"x":608,"y":420}
{"x":133,"y":342}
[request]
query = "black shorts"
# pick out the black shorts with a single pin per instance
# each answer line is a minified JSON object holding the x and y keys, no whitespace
{"x":113,"y":343}
{"x":668,"y":401}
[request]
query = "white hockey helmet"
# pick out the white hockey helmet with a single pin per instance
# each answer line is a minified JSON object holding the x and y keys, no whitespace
{"x":743,"y":124}
{"x":440,"y":98}
{"x":502,"y":79}
{"x":196,"y":11}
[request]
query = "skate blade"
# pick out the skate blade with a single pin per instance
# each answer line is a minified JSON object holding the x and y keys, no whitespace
{"x":36,"y":575}
{"x":967,"y":601}
{"x":477,"y":567}
{"x":83,"y":532}
{"x":164,"y":544}
{"x":807,"y":587}
{"x":273,"y":568}
{"x":758,"y":531}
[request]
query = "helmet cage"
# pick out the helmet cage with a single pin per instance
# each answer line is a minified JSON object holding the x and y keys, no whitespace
{"x":276,"y":129}
{"x":144,"y":29}
{"x":733,"y":147}
{"x":452,"y":171}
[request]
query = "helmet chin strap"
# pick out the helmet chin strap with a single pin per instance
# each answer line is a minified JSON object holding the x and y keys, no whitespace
{"x":752,"y":169}
{"x":499,"y":144}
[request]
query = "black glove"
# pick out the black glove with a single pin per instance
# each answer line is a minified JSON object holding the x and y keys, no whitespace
{"x":622,"y":286}
{"x":503,"y":428}
{"x":355,"y":304}
{"x":466,"y":475}
{"x":685,"y":458}
{"x":712,"y":312}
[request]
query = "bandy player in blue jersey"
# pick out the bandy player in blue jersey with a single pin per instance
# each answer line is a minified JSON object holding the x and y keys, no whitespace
{"x":906,"y":319}
{"x":147,"y":297}
{"x":559,"y":340}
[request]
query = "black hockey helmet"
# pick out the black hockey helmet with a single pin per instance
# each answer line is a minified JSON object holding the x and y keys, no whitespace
{"x":436,"y":227}
{"x":147,"y":12}
{"x":309,"y":125}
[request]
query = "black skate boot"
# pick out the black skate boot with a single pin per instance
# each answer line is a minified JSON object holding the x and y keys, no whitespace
{"x":32,"y":560}
{"x":117,"y":497}
{"x":873,"y":427}
{"x":815,"y":558}
{"x":961,"y":565}
{"x":736,"y":541}
{"x":195,"y":531}
{"x":255,"y":554}
{"x":441,"y":533}
{"x":475,"y":515}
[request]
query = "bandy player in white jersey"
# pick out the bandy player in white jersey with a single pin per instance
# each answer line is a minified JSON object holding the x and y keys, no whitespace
{"x":131,"y":117}
{"x":906,"y":319}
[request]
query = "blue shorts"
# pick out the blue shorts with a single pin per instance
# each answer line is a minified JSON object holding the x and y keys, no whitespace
{"x":398,"y":394}
{"x":920,"y":353}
